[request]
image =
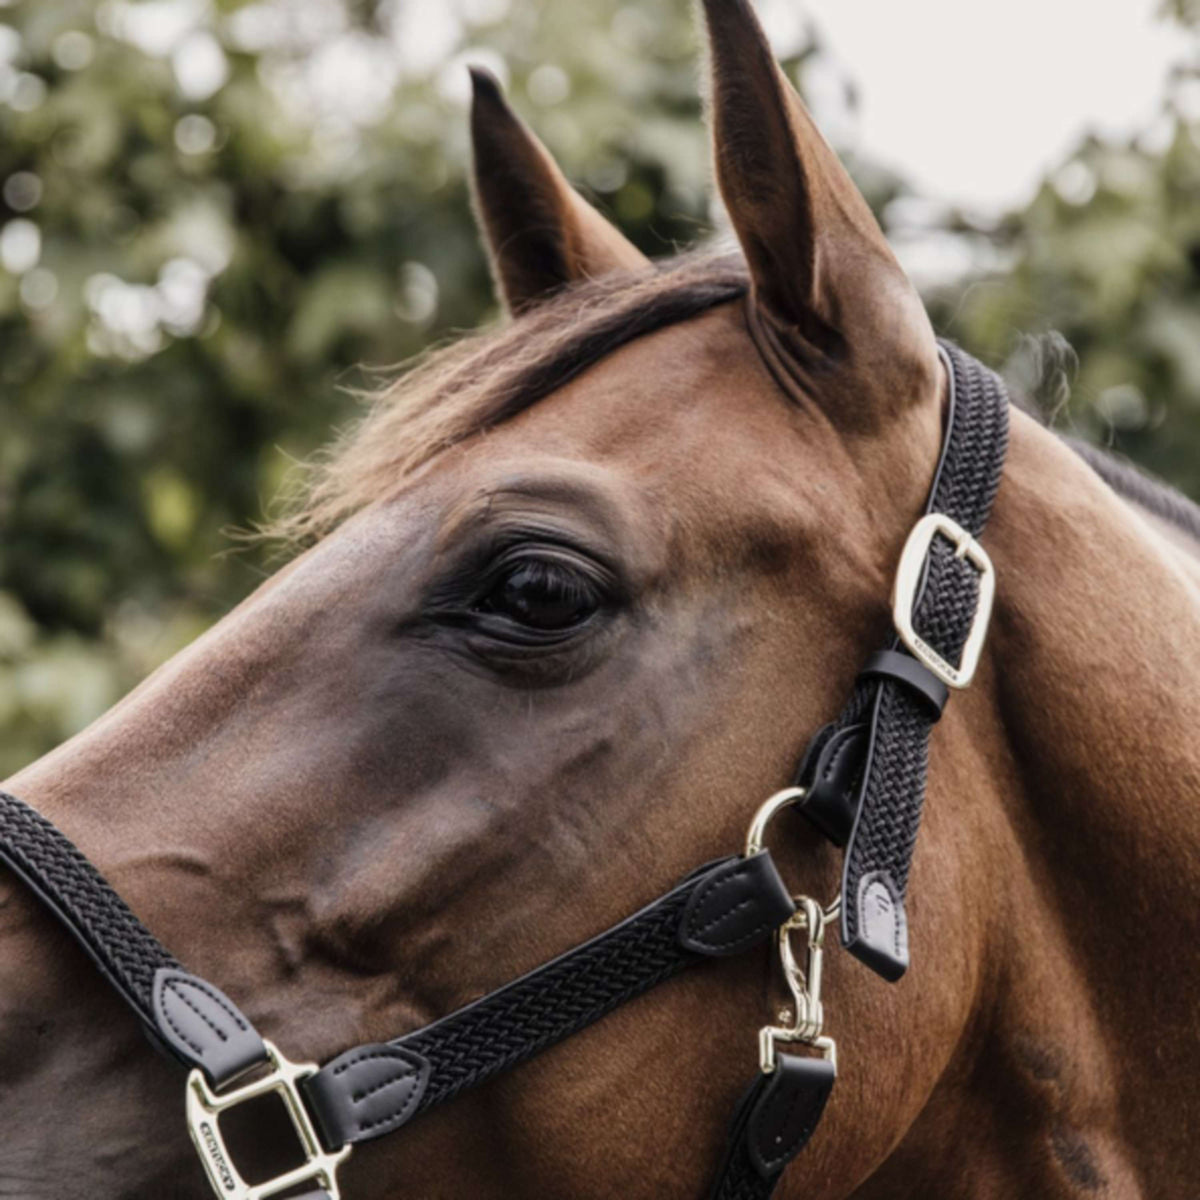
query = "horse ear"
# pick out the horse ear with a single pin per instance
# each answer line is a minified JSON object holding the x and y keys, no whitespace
{"x":540,"y":232}
{"x":824,"y":280}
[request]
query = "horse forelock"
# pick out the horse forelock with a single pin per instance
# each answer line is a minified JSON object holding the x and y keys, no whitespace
{"x":482,"y":380}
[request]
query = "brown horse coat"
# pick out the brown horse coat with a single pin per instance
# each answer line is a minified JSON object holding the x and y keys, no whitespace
{"x":358,"y":802}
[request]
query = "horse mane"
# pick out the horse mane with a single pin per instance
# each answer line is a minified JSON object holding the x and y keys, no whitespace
{"x":476,"y":383}
{"x":1133,"y":484}
{"x":1049,"y":362}
{"x":463,"y":389}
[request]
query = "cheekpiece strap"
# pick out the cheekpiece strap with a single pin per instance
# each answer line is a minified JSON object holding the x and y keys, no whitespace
{"x":866,"y":772}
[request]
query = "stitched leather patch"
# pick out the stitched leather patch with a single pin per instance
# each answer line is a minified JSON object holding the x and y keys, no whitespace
{"x":742,"y":901}
{"x":787,"y":1112}
{"x":882,"y":939}
{"x":204,"y":1027}
{"x":366,"y":1092}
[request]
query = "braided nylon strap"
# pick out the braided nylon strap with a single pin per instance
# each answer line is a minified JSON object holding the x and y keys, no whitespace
{"x":740,"y":1181}
{"x":738,"y":1178}
{"x":121,"y":946}
{"x":772,"y":1124}
{"x":725,"y":908}
{"x":532,"y":1013}
{"x":892,"y":788}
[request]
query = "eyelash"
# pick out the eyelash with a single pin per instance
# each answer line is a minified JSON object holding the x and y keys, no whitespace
{"x":463,"y":595}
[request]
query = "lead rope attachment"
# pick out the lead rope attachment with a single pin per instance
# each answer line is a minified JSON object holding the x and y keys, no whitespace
{"x":781,"y":1109}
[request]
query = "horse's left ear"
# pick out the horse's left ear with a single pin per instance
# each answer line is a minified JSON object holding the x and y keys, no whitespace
{"x":541,"y":233}
{"x":826,"y":288}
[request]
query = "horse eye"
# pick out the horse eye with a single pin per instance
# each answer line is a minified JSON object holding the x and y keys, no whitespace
{"x":542,"y":595}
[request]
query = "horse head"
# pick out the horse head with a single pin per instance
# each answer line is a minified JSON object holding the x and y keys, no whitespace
{"x":579,"y":592}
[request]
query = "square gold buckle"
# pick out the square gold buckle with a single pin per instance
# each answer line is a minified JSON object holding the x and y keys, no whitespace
{"x":204,"y":1107}
{"x":908,"y":581}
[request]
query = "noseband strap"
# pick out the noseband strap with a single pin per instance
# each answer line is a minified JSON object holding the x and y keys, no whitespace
{"x":861,"y":781}
{"x":194,"y":1021}
{"x":723,"y":909}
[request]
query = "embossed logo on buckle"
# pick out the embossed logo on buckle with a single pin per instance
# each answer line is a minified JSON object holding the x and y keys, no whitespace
{"x":204,"y":1107}
{"x":908,"y":581}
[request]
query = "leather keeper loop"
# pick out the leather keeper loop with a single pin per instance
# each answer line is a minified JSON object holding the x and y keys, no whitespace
{"x":904,"y":669}
{"x":829,"y":774}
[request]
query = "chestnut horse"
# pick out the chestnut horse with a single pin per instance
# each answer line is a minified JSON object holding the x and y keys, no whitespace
{"x":580,"y":591}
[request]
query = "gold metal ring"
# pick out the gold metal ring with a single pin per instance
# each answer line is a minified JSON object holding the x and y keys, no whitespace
{"x":758,"y":829}
{"x":762,"y":818}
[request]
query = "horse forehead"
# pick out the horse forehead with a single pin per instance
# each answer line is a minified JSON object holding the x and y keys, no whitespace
{"x":687,"y":417}
{"x":534,"y":480}
{"x":699,"y":386}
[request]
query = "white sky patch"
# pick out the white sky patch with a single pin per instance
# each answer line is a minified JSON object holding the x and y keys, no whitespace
{"x":974,"y":104}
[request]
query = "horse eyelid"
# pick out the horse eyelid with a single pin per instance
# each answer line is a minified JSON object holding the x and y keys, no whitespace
{"x":467,"y":582}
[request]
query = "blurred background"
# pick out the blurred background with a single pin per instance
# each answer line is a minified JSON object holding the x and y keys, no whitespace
{"x":214,"y":214}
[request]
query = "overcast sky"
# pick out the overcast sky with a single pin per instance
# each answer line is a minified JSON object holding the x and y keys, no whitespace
{"x":972,"y":101}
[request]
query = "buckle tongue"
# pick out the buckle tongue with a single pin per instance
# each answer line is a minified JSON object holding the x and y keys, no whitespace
{"x":908,"y":582}
{"x":204,"y":1107}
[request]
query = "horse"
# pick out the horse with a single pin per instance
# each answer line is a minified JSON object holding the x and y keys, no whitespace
{"x":577,"y":592}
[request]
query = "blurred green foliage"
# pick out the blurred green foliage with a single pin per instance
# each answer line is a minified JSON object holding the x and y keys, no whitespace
{"x":212,"y":213}
{"x":1107,"y":257}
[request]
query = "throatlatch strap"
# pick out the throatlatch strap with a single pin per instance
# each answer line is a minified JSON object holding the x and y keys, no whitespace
{"x":197,"y":1022}
{"x":897,"y":716}
{"x":724,"y":909}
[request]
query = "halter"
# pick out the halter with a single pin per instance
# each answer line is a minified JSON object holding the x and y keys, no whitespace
{"x":861,"y":782}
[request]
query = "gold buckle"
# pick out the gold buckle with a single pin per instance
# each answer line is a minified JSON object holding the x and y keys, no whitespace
{"x":908,"y":580}
{"x":204,"y":1107}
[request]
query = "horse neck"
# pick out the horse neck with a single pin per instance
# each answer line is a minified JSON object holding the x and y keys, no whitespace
{"x":1096,"y":646}
{"x":1095,"y":678}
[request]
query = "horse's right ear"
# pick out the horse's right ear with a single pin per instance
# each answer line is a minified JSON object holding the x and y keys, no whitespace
{"x":540,"y":233}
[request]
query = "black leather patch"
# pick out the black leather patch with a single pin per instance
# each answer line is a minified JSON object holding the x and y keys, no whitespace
{"x":787,"y":1111}
{"x":366,"y":1092}
{"x":742,"y":902}
{"x":882,"y":936}
{"x":204,"y":1027}
{"x":832,"y":779}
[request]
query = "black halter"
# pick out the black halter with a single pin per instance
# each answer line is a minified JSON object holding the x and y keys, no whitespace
{"x":861,"y":781}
